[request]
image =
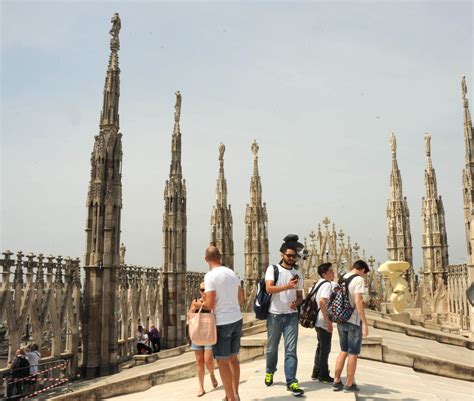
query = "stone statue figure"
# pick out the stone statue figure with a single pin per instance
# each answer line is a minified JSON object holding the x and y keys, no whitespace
{"x":116,"y":25}
{"x":438,"y":259}
{"x":122,"y":254}
{"x":393,"y":144}
{"x":464,"y":86}
{"x":177,"y":107}
{"x":428,"y":144}
{"x":255,"y":148}
{"x":393,"y":270}
{"x":221,"y":151}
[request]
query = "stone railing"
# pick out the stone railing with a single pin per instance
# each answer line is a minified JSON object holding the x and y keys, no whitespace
{"x":40,"y":303}
{"x":139,"y":303}
{"x":193,"y":279}
{"x":458,"y":306}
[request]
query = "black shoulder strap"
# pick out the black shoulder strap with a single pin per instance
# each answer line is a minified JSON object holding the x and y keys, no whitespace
{"x":348,"y":280}
{"x":316,"y":288}
{"x":276,"y":274}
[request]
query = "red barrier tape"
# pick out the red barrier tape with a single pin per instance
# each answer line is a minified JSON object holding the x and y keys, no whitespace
{"x":45,"y":389}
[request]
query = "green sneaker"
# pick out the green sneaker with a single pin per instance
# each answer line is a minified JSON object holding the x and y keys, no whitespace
{"x":295,"y":389}
{"x":268,"y":379}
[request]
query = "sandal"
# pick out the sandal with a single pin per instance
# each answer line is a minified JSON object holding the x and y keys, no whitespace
{"x":214,"y":381}
{"x":201,"y":393}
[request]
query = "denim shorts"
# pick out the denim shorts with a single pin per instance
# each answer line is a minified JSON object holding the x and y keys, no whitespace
{"x":228,"y":340}
{"x":195,"y":347}
{"x":350,"y":337}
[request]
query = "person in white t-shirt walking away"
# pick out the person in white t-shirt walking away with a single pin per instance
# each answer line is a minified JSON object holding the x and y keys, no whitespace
{"x":323,"y":325}
{"x":351,"y":332}
{"x":287,"y":294}
{"x":224,"y":295}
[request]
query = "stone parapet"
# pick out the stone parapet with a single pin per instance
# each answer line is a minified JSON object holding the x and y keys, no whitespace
{"x":144,"y":377}
{"x":374,"y":349}
{"x":418,"y":331}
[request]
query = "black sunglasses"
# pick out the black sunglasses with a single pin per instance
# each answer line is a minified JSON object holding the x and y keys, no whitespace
{"x":291,"y":255}
{"x":201,"y":289}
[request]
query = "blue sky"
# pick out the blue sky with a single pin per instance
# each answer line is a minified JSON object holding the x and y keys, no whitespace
{"x":319,"y":85}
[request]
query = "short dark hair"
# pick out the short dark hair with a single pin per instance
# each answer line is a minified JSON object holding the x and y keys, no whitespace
{"x":360,"y":265}
{"x":324,"y":268}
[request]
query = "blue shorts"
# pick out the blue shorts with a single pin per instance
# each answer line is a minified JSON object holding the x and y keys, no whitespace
{"x":228,"y":340}
{"x":350,"y":337}
{"x":195,"y":347}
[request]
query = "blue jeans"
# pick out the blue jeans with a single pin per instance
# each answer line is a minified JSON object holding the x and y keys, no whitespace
{"x":228,"y":340}
{"x":286,"y":324}
{"x":350,"y":337}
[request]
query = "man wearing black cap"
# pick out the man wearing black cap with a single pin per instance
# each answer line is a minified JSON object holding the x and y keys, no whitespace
{"x":350,"y":332}
{"x":287,"y":294}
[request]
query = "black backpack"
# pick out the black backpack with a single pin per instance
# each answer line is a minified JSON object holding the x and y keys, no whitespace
{"x":263,"y":299}
{"x":309,"y":308}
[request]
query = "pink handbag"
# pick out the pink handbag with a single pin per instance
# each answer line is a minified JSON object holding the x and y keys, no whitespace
{"x":202,"y":328}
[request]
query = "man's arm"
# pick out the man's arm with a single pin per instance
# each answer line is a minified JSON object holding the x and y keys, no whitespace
{"x":298,"y":300}
{"x":240,"y":294}
{"x":359,"y":304}
{"x":273,"y":289}
{"x":209,"y":300}
{"x":323,"y":302}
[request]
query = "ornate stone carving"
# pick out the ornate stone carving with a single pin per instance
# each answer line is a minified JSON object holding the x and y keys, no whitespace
{"x":36,"y":306}
{"x":104,"y":204}
{"x":256,"y":233}
{"x":394,"y":272}
{"x":174,"y":244}
{"x":399,"y":245}
{"x":468,"y":189}
{"x":435,"y":242}
{"x":221,"y":217}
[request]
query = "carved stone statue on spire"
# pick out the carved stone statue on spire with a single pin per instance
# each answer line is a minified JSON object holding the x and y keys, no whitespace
{"x":255,"y":148}
{"x":116,"y":25}
{"x":177,"y":113}
{"x":393,"y":144}
{"x":221,"y":151}
{"x":464,"y":87}
{"x":428,"y":144}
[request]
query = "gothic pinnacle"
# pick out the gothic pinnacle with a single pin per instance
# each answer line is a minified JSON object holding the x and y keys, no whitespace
{"x":255,"y":157}
{"x":175,"y":168}
{"x":109,"y":116}
{"x":393,"y":145}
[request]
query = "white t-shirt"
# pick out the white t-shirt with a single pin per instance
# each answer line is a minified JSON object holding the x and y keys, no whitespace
{"x":226,"y":284}
{"x":281,"y":301}
{"x":141,"y":338}
{"x":356,"y":286}
{"x":323,"y":292}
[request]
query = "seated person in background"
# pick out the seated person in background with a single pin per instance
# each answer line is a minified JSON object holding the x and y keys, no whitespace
{"x":155,"y":338}
{"x":142,"y":340}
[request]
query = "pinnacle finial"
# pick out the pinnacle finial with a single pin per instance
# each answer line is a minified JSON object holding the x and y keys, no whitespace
{"x":255,"y":148}
{"x":255,"y":158}
{"x":393,"y":144}
{"x":115,"y":31}
{"x":177,"y":107}
{"x":464,"y":87}
{"x":428,"y":144}
{"x":221,"y":151}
